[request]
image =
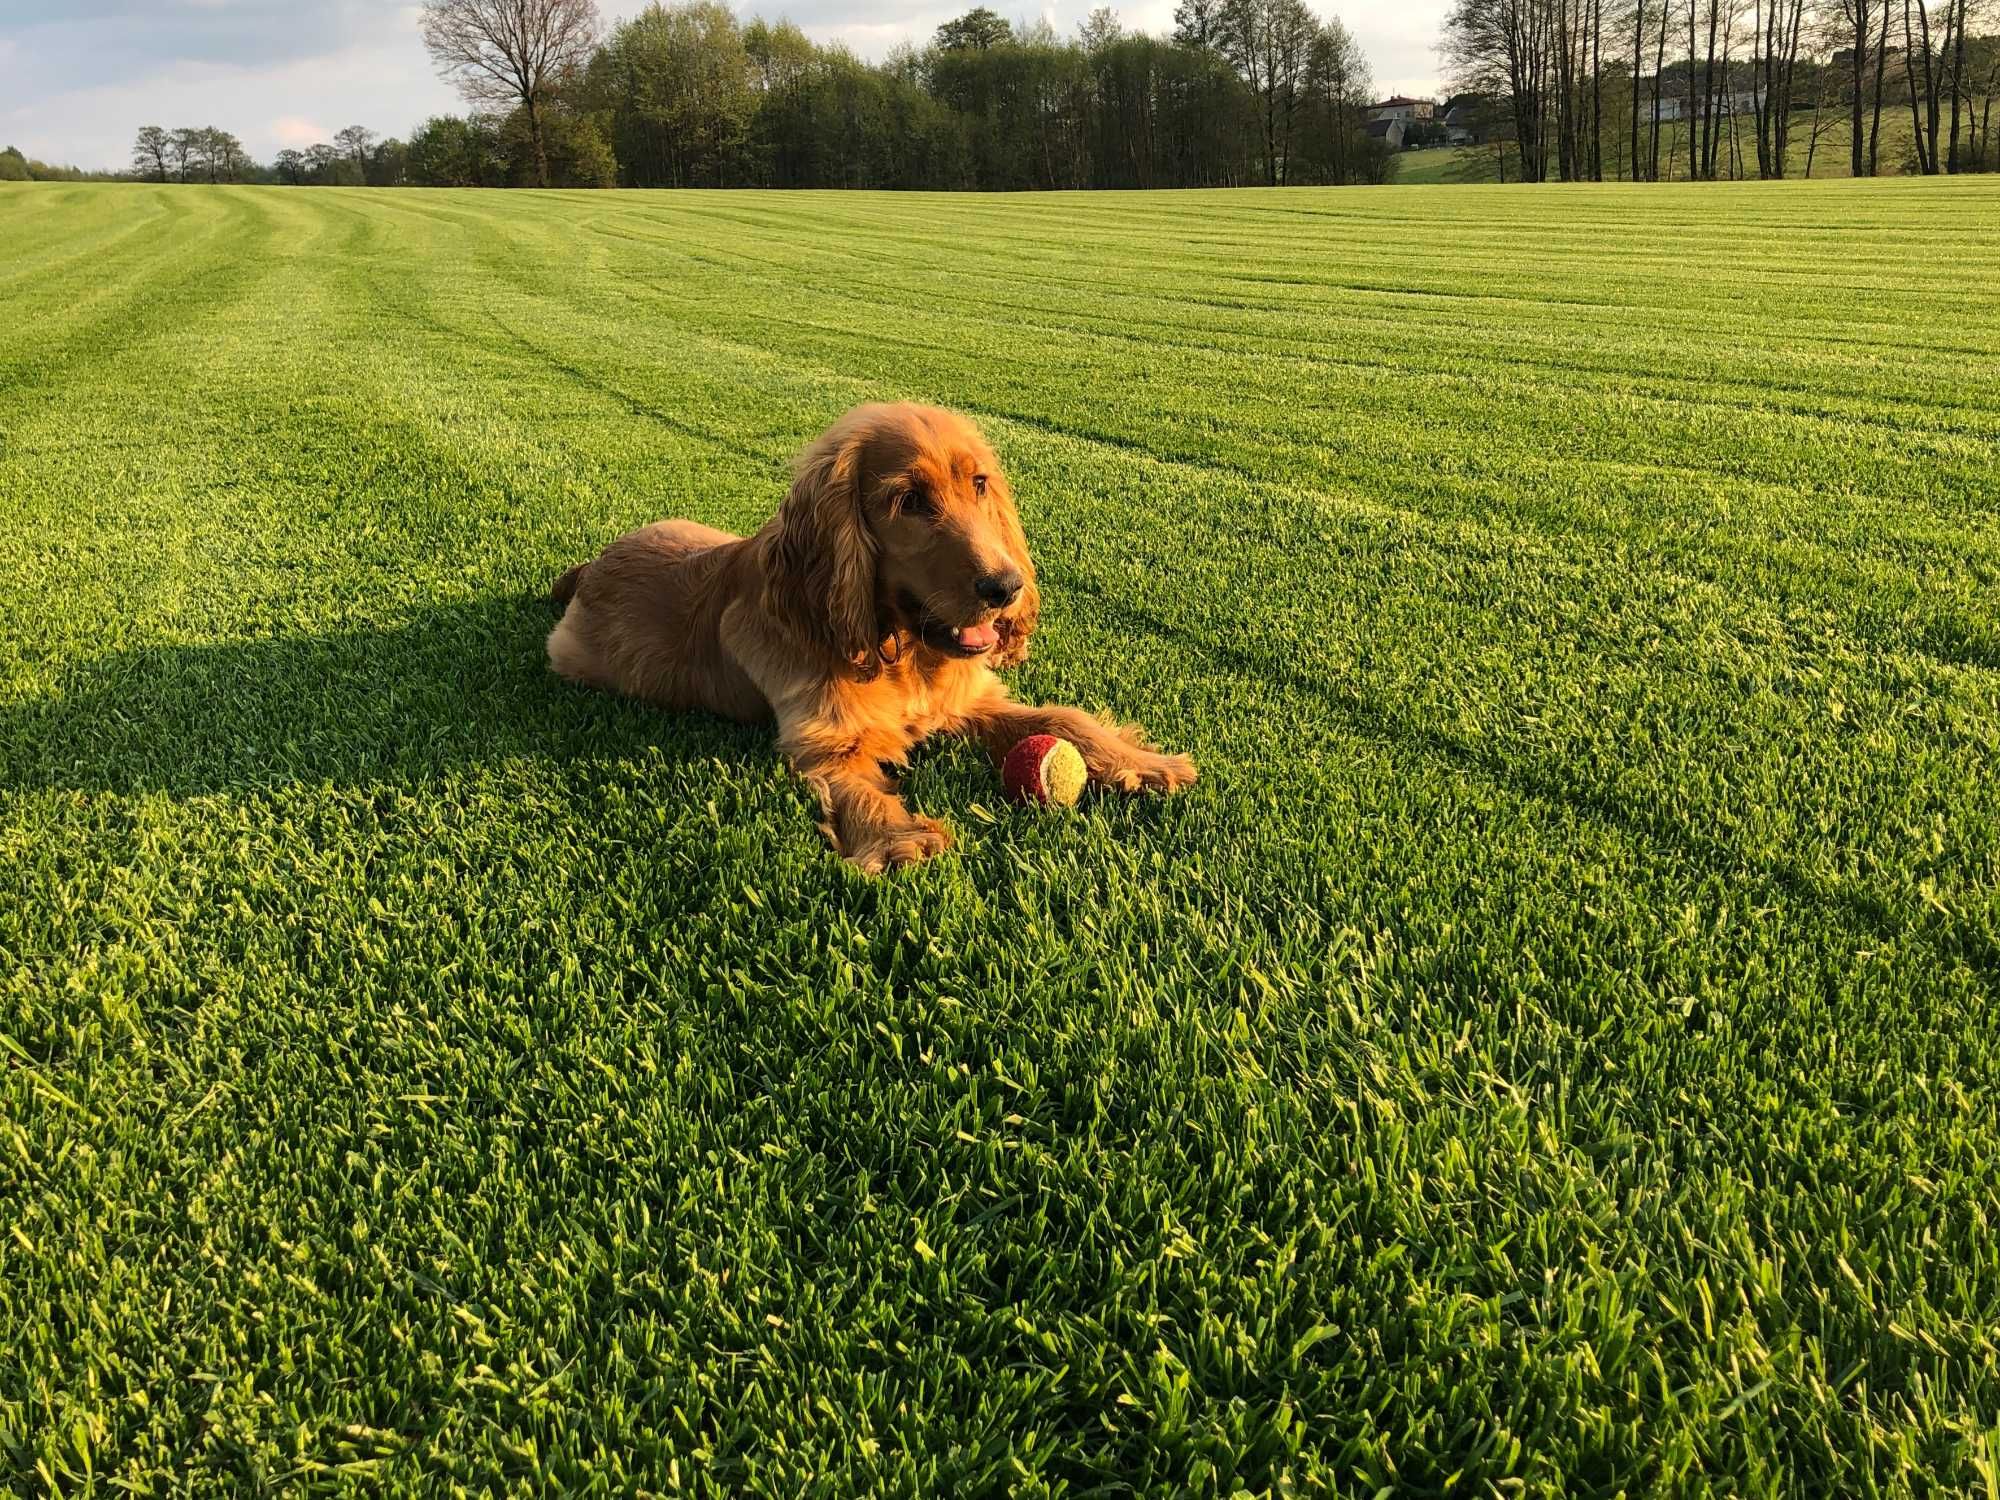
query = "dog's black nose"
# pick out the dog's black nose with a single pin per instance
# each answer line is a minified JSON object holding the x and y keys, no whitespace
{"x":999,"y":589}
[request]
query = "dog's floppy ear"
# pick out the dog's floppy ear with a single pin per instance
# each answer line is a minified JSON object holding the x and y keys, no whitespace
{"x":1020,"y":620}
{"x":822,"y":577}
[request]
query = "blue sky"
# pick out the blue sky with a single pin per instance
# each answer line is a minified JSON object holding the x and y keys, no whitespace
{"x":78,"y":77}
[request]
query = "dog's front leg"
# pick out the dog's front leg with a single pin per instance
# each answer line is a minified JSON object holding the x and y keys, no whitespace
{"x":1116,"y":755}
{"x":862,"y":817}
{"x":832,"y":748}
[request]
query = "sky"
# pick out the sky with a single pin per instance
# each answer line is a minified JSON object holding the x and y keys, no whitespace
{"x":79,"y":77}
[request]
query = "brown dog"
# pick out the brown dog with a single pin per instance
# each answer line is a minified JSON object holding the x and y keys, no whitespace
{"x":865,"y":617}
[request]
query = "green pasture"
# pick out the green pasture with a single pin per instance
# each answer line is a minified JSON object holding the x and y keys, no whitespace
{"x":1553,"y":1051}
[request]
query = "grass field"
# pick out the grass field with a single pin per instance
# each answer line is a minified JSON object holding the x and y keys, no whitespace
{"x":1552,"y":1051}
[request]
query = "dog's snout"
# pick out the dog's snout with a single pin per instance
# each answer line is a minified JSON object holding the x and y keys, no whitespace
{"x":999,"y":589}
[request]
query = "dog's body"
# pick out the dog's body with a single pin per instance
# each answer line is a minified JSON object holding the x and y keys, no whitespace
{"x":864,"y":618}
{"x":650,"y":622}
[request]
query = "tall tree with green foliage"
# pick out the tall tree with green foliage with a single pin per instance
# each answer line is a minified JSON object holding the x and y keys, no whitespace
{"x":977,"y":30}
{"x":511,"y":52}
{"x":675,"y":82}
{"x":457,"y":151}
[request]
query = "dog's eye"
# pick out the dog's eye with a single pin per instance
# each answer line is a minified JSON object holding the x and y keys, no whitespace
{"x":979,"y":484}
{"x":916,"y":501}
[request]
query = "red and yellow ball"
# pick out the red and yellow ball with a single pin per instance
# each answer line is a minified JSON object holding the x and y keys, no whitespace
{"x":1046,"y":769}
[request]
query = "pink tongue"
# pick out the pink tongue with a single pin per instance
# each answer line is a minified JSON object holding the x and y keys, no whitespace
{"x":976,"y":637}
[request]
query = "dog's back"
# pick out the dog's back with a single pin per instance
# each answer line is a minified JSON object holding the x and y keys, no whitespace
{"x":641,"y":618}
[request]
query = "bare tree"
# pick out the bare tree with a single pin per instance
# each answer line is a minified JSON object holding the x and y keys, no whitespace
{"x":1928,"y":66}
{"x":1577,"y":36}
{"x":1881,"y":62}
{"x":1659,"y":68}
{"x":1979,"y":153}
{"x":1506,"y":48}
{"x":150,"y":149}
{"x":506,"y":52}
{"x":1919,"y":91}
{"x":1638,"y":68}
{"x":1337,"y":82}
{"x":1270,"y":42}
{"x":1957,"y":83}
{"x":1857,"y":15}
{"x":1774,"y":59}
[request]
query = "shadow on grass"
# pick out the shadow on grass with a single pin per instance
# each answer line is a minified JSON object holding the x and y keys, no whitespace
{"x":451,"y":686}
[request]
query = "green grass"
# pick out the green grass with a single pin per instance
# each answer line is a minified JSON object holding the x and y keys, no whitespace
{"x":1552,"y":1051}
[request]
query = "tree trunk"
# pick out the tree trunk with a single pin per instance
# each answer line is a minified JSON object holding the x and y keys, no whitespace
{"x":1597,"y":91}
{"x":1736,"y":141}
{"x":1760,"y":59}
{"x":1910,"y":77}
{"x":1781,"y":129}
{"x":541,"y":146}
{"x":1638,"y":62}
{"x":1694,"y":170}
{"x":1860,"y":79}
{"x":1659,"y":63}
{"x":1708,"y":123}
{"x":1930,"y":91}
{"x":1881,"y":62}
{"x":1957,"y":14}
{"x":1718,"y":98}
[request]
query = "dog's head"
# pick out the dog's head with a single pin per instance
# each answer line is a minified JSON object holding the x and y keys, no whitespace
{"x":899,"y":522}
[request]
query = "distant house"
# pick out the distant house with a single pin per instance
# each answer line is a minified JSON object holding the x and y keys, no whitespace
{"x":1675,"y":104}
{"x":1391,"y":130}
{"x":1467,"y":119}
{"x":1401,"y":108}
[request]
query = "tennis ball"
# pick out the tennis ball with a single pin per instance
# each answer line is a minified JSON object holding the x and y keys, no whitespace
{"x":1043,"y":768}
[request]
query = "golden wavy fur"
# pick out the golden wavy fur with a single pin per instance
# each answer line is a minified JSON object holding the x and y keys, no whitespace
{"x":866,"y":616}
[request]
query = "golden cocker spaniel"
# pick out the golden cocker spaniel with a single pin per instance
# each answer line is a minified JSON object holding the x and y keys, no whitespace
{"x":866,"y":616}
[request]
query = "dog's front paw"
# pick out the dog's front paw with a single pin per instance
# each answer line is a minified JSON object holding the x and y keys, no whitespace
{"x":891,"y":848}
{"x":1147,"y":772}
{"x":1167,"y":773}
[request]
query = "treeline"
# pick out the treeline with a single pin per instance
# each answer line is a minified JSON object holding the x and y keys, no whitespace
{"x":1249,"y":91}
{"x":15,"y":166}
{"x":1650,"y":90}
{"x":190,"y":154}
{"x":685,"y":95}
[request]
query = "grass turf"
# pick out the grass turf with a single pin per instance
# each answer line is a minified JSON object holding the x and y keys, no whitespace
{"x":1551,"y":1051}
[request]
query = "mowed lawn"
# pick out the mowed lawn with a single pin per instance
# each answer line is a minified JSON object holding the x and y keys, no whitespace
{"x":1552,"y":1050}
